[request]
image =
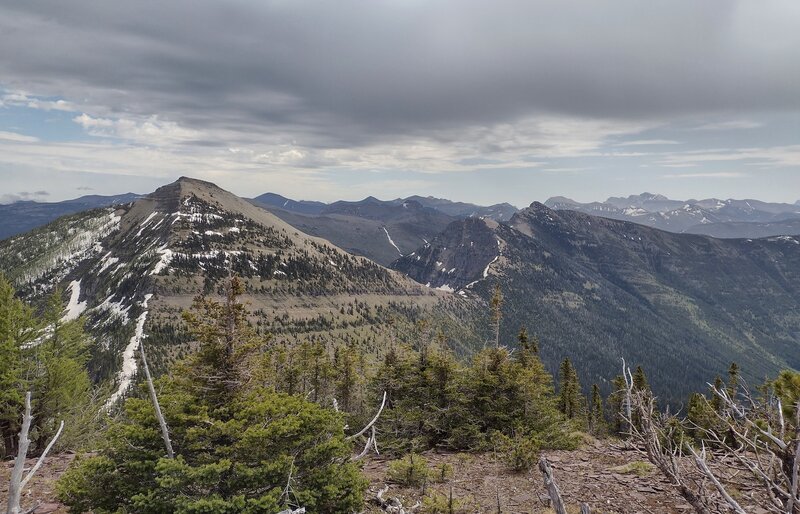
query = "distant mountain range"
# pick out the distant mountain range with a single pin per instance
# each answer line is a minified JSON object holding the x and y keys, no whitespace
{"x":596,"y":289}
{"x":131,"y":270}
{"x":19,"y":217}
{"x":378,"y":229}
{"x":713,"y":217}
{"x":593,"y":288}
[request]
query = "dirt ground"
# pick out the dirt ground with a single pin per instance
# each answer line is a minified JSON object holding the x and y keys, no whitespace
{"x":40,"y":492}
{"x":595,"y":474}
{"x":598,"y":474}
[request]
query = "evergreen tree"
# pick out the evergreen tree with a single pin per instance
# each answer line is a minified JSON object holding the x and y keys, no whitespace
{"x":640,"y":380}
{"x":700,"y":416}
{"x":348,"y":379}
{"x":616,"y":403}
{"x":716,"y":402}
{"x":16,"y":329}
{"x":787,"y":387}
{"x":596,"y":418}
{"x":569,"y":400}
{"x":59,"y":379}
{"x":496,"y":305}
{"x":527,"y":346}
{"x":226,"y":342}
{"x":733,"y":379}
{"x":237,"y":443}
{"x":499,"y":394}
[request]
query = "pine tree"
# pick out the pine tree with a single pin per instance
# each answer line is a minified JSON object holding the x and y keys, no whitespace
{"x":616,"y":403}
{"x":570,"y":392}
{"x":596,"y":418}
{"x":59,"y":378}
{"x":237,"y":443}
{"x":528,"y":347}
{"x":348,"y":379}
{"x":640,"y":380}
{"x":716,"y":402}
{"x":733,"y":379}
{"x":226,"y":342}
{"x":496,"y":304}
{"x":16,"y":329}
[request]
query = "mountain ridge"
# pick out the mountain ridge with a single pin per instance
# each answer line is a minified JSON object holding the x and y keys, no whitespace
{"x":24,"y":215}
{"x":719,"y":218}
{"x":132,"y":269}
{"x":597,"y":289}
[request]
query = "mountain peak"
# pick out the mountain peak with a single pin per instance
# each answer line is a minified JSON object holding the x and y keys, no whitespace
{"x":560,"y":200}
{"x":172,"y":194}
{"x":539,"y":207}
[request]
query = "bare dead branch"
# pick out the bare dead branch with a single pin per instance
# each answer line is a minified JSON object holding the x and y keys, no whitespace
{"x":154,"y":398}
{"x":700,"y":460}
{"x":18,"y":482}
{"x":363,"y":430}
{"x":552,"y":487}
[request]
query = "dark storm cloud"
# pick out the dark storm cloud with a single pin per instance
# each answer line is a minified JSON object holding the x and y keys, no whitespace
{"x":346,"y":72}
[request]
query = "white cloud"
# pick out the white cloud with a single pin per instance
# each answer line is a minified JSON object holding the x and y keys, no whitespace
{"x":150,"y":131}
{"x":19,"y":138}
{"x":648,"y":142}
{"x":730,"y":125}
{"x":782,"y":156}
{"x":21,"y":99}
{"x":719,"y":174}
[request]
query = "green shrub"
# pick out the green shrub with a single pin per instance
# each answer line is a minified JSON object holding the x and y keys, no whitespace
{"x":410,"y":471}
{"x":237,"y":462}
{"x":441,"y":473}
{"x":520,"y":452}
{"x":439,"y":503}
{"x":639,"y":468}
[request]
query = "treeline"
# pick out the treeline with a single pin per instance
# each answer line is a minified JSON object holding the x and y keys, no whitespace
{"x":247,"y":423}
{"x":43,"y":354}
{"x":258,"y":426}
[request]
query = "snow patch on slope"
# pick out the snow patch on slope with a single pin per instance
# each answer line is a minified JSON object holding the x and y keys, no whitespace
{"x":391,"y":242}
{"x":125,"y":376}
{"x":166,"y":258}
{"x":488,"y":266}
{"x":74,"y":307}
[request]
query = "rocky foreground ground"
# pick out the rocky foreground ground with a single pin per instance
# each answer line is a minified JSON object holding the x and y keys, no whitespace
{"x":606,"y":475}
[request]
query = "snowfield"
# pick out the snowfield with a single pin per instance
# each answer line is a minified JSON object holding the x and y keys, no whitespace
{"x":74,"y":307}
{"x":125,"y":376}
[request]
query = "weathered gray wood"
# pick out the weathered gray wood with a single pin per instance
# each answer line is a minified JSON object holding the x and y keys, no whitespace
{"x":15,"y":487}
{"x":154,"y":398}
{"x":552,"y":487}
{"x":585,"y":509}
{"x":18,"y":483}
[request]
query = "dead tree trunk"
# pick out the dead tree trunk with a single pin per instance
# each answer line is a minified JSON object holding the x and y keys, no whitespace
{"x":552,"y":487}
{"x":154,"y":398}
{"x":626,"y":375}
{"x":18,"y":483}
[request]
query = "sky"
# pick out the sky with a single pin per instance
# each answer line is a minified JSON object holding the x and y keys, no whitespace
{"x":481,"y":101}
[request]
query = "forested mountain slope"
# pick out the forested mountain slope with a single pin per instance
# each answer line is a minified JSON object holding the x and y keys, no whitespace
{"x":131,"y":270}
{"x":379,"y":230}
{"x":19,"y":217}
{"x":595,"y":289}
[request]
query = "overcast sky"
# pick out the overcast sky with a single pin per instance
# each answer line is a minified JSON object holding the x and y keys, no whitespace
{"x":482,"y":101}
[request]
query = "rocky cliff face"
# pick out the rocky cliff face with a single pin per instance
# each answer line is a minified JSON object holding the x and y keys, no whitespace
{"x":455,"y":259}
